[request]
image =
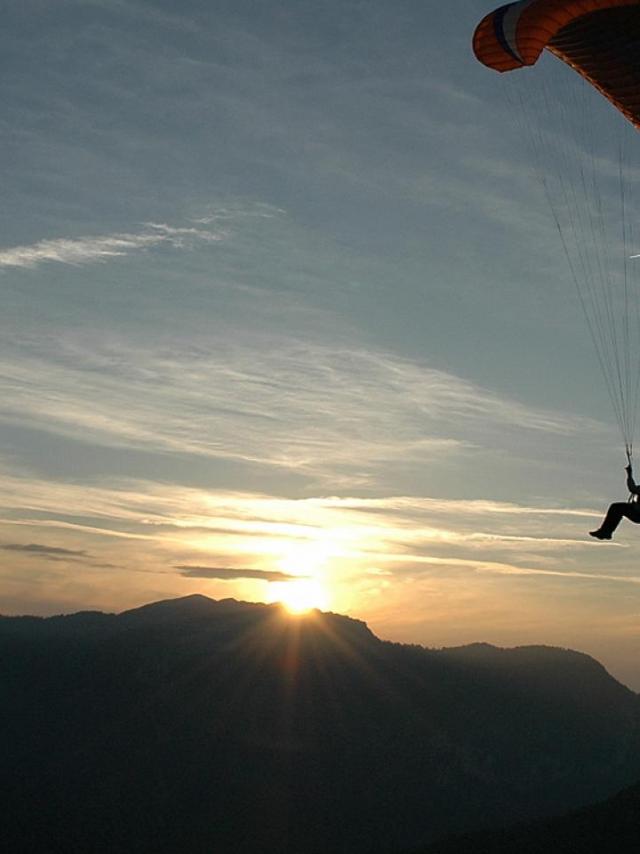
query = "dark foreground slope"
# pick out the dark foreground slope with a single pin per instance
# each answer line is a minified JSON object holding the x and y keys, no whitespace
{"x":199,"y":726}
{"x":612,"y":826}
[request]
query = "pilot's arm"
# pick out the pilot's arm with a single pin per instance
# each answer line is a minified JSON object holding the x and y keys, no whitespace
{"x":633,"y":488}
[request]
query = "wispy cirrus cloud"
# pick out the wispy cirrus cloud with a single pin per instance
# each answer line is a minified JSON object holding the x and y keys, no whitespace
{"x":212,"y":225}
{"x":152,"y":505}
{"x":338,"y":413}
{"x":401,"y":535}
{"x":93,"y":249}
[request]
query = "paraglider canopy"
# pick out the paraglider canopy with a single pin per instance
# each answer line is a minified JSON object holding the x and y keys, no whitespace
{"x":587,"y":157}
{"x":600,"y":39}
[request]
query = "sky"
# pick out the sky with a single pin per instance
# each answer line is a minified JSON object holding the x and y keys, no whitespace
{"x":285,"y":316}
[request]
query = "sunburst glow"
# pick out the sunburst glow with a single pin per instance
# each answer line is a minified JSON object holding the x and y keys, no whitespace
{"x":309,"y":560}
{"x":301,"y":596}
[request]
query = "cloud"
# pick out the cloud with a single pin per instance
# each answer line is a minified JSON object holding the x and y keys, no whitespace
{"x":44,"y":551}
{"x":352,"y":534}
{"x":221,"y":214}
{"x":346,"y":415}
{"x":224,"y":574}
{"x":409,"y":550}
{"x":53,"y":553}
{"x":209,"y":226}
{"x":90,"y":250}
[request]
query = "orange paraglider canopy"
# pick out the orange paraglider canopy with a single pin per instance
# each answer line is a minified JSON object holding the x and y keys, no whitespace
{"x":600,"y":39}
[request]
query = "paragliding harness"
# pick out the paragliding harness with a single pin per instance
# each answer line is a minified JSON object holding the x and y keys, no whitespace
{"x":633,"y":496}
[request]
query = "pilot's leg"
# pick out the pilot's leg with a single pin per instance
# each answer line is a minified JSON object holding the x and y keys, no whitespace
{"x":614,"y":515}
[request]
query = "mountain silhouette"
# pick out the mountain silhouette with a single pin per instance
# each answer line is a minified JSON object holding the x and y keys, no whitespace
{"x":195,"y":725}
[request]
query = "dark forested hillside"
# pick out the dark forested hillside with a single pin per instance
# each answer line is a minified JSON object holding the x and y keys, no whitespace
{"x":201,"y":726}
{"x":612,"y":826}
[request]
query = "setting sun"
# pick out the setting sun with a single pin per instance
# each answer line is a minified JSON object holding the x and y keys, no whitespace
{"x":301,"y":596}
{"x":304,"y":592}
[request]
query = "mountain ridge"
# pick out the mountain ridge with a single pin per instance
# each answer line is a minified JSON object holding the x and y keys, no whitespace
{"x":231,"y":726}
{"x":197,"y":604}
